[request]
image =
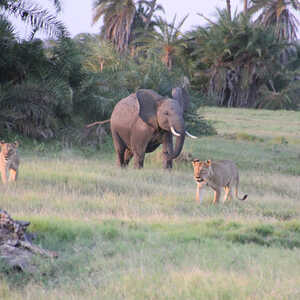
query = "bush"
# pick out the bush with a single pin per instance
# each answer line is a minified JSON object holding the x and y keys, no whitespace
{"x":35,"y":108}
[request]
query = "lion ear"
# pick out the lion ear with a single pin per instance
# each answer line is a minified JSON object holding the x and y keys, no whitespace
{"x":208,"y":162}
{"x":16,"y":144}
{"x":2,"y":143}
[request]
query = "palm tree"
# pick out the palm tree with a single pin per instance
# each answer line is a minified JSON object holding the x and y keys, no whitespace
{"x":6,"y":30}
{"x":228,"y":4}
{"x":245,"y":6}
{"x":167,"y":40}
{"x":39,"y":19}
{"x":118,"y":16}
{"x":238,"y":58}
{"x":151,"y":8}
{"x":278,"y":14}
{"x":121,"y":18}
{"x":98,"y":53}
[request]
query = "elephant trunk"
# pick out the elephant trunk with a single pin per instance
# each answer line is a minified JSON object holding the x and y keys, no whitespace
{"x":178,"y":145}
{"x":179,"y":142}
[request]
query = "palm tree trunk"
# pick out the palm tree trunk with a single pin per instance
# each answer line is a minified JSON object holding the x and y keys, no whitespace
{"x":228,"y":8}
{"x":231,"y":94}
{"x":245,"y":6}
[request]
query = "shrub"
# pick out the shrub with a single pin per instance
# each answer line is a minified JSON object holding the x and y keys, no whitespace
{"x":264,"y":230}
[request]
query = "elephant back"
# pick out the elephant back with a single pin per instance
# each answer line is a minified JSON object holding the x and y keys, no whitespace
{"x":128,"y":104}
{"x":125,"y":113}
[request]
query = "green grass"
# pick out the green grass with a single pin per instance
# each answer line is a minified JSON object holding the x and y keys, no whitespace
{"x":266,"y":124}
{"x":139,"y":234}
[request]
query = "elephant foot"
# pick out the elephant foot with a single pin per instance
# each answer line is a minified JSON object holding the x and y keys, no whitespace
{"x":138,"y":160}
{"x":139,"y":165}
{"x":127,"y":157}
{"x":168,"y":165}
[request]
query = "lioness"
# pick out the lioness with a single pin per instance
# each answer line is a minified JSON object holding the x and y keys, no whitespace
{"x":217,"y":175}
{"x":9,"y":161}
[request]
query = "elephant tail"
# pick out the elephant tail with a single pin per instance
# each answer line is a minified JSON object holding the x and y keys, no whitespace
{"x":97,"y":123}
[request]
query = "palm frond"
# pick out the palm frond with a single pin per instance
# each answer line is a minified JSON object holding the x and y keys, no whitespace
{"x":57,"y":4}
{"x":37,"y":17}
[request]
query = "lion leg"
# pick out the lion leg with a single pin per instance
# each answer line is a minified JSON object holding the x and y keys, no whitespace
{"x":13,"y":175}
{"x":226,"y":189}
{"x":228,"y":193}
{"x":4,"y":175}
{"x":217,"y":196}
{"x":200,"y":192}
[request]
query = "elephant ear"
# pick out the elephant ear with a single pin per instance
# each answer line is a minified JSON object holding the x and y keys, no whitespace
{"x":182,"y":96}
{"x":148,"y":101}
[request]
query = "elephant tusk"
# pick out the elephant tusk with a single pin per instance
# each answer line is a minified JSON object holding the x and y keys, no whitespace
{"x":191,"y":136}
{"x":174,"y":132}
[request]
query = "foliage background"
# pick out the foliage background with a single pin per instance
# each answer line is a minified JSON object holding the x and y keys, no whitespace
{"x":50,"y":89}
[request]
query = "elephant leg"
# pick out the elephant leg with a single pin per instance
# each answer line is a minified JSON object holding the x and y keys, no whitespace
{"x":127,"y":156}
{"x":139,"y":155}
{"x":119,"y":148}
{"x":167,"y":151}
{"x":139,"y":160}
{"x":141,"y":136}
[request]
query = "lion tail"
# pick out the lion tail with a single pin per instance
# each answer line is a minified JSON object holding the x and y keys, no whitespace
{"x":244,"y":198}
{"x":237,"y":196}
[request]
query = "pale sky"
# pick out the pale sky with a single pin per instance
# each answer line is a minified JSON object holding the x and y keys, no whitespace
{"x":77,"y":15}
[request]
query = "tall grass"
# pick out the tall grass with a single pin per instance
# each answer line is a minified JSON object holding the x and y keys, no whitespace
{"x":139,"y":234}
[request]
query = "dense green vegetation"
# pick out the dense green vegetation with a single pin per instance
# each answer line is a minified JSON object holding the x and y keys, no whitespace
{"x":49,"y":89}
{"x":139,"y":234}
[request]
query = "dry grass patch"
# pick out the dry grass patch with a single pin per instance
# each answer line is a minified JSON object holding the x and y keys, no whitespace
{"x":139,"y":234}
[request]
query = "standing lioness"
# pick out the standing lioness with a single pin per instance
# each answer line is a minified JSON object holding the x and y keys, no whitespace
{"x":9,"y":161}
{"x":217,"y":175}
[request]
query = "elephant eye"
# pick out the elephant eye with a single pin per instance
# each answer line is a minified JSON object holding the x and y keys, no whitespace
{"x":166,"y":113}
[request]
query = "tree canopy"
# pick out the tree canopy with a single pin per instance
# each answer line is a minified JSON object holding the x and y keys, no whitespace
{"x":248,"y":58}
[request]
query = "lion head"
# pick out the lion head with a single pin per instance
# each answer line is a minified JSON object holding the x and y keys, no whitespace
{"x":202,"y":169}
{"x":7,"y":149}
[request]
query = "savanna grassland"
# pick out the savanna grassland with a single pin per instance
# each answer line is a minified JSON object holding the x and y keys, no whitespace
{"x":139,"y":234}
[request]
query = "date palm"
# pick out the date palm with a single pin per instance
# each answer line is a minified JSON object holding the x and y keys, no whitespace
{"x":118,"y":17}
{"x":228,"y":4}
{"x":166,"y":39}
{"x":237,"y":58}
{"x":98,"y":53}
{"x":32,"y":13}
{"x":245,"y":6}
{"x":151,"y":8}
{"x":122,"y":17}
{"x":278,"y":14}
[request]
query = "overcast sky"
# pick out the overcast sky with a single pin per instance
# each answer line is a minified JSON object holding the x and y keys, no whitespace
{"x":77,"y":14}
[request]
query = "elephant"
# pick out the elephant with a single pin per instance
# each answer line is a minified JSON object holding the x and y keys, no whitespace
{"x":144,"y":120}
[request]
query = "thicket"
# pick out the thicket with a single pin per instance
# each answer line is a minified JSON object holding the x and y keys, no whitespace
{"x":50,"y":89}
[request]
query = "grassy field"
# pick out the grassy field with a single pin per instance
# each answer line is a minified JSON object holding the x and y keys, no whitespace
{"x":139,"y":234}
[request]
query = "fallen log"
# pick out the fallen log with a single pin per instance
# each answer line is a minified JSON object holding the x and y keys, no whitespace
{"x":16,"y":247}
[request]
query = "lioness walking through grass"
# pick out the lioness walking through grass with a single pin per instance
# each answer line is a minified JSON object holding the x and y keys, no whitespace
{"x":217,"y":175}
